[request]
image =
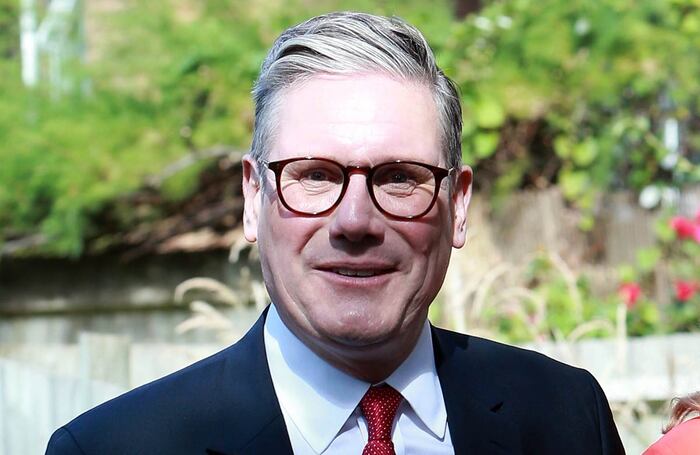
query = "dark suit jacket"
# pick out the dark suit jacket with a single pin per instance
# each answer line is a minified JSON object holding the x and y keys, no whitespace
{"x":499,"y":399}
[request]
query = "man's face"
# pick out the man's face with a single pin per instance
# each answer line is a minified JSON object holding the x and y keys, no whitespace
{"x":315,"y":267}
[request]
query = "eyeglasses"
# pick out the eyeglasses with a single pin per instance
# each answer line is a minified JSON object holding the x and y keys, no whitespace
{"x":315,"y":186}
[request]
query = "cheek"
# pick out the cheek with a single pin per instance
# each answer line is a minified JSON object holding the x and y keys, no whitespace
{"x":284,"y":235}
{"x":427,"y":238}
{"x":430,"y":244}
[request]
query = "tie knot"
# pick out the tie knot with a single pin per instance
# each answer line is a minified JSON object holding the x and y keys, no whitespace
{"x":379,"y":407}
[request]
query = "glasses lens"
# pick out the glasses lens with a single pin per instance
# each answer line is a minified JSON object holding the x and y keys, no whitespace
{"x":403,"y":189}
{"x":311,"y":186}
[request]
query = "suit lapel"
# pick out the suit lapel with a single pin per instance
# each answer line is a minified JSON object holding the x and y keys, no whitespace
{"x":260,"y":425}
{"x":272,"y":438}
{"x":473,"y":401}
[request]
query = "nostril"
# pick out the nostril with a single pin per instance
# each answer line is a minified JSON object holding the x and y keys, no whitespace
{"x":356,"y":222}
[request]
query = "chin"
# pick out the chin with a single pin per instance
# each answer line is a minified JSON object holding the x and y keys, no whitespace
{"x":358,"y":340}
{"x":359,"y":332}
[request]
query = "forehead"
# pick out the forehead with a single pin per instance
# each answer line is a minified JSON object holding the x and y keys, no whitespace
{"x":357,"y":119}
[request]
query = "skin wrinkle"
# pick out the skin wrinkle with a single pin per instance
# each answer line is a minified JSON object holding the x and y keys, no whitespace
{"x":363,"y":120}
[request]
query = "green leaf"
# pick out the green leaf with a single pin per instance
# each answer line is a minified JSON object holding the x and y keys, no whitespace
{"x":489,"y":113}
{"x":627,"y":274}
{"x":585,"y":152}
{"x":563,"y":147}
{"x":573,"y":183}
{"x":647,"y":258}
{"x":664,"y":232}
{"x":587,"y":222}
{"x":485,"y":144}
{"x":649,"y":314}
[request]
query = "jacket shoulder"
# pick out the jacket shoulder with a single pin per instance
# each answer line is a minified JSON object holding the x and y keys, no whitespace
{"x":499,"y":357}
{"x":183,"y":410}
{"x":551,"y":403}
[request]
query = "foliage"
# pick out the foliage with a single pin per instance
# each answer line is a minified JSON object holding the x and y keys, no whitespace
{"x":675,"y":260}
{"x":543,"y":299}
{"x":538,"y":298}
{"x":163,"y":79}
{"x":578,"y":93}
{"x":575,"y":93}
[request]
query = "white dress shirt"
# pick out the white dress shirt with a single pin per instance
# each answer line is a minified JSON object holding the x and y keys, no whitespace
{"x":320,"y":403}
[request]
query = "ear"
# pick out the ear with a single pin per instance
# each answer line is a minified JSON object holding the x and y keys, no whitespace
{"x":461,"y":196}
{"x":252,"y":195}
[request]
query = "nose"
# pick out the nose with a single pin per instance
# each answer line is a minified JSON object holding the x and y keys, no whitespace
{"x":356,"y":219}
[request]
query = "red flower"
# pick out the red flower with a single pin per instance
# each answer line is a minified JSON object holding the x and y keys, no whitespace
{"x":684,"y":227}
{"x":685,"y":290}
{"x":630,"y":293}
{"x":696,"y":234}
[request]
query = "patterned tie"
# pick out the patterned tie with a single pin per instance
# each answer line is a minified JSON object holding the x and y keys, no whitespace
{"x":379,"y":407}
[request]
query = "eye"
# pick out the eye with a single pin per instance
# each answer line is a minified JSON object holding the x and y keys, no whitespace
{"x":315,"y":172}
{"x":317,"y":175}
{"x":321,"y":175}
{"x":398,"y":176}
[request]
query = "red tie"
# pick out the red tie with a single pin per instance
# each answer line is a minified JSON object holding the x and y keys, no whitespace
{"x":379,"y":407}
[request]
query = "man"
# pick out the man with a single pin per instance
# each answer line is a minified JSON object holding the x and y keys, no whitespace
{"x":355,"y":193}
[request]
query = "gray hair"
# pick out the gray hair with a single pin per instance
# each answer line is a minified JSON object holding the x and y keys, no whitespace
{"x":345,"y":43}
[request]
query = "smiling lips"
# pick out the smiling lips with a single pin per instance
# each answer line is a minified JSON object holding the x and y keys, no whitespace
{"x":355,"y":273}
{"x":358,"y":270}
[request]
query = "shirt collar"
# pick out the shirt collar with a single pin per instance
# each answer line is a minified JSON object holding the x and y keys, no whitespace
{"x":319,"y":398}
{"x":417,"y":380}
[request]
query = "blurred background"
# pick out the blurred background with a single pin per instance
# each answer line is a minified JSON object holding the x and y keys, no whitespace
{"x":122,"y":123}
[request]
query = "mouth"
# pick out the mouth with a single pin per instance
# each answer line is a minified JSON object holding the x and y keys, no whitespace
{"x":362,"y":273}
{"x":356,"y":273}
